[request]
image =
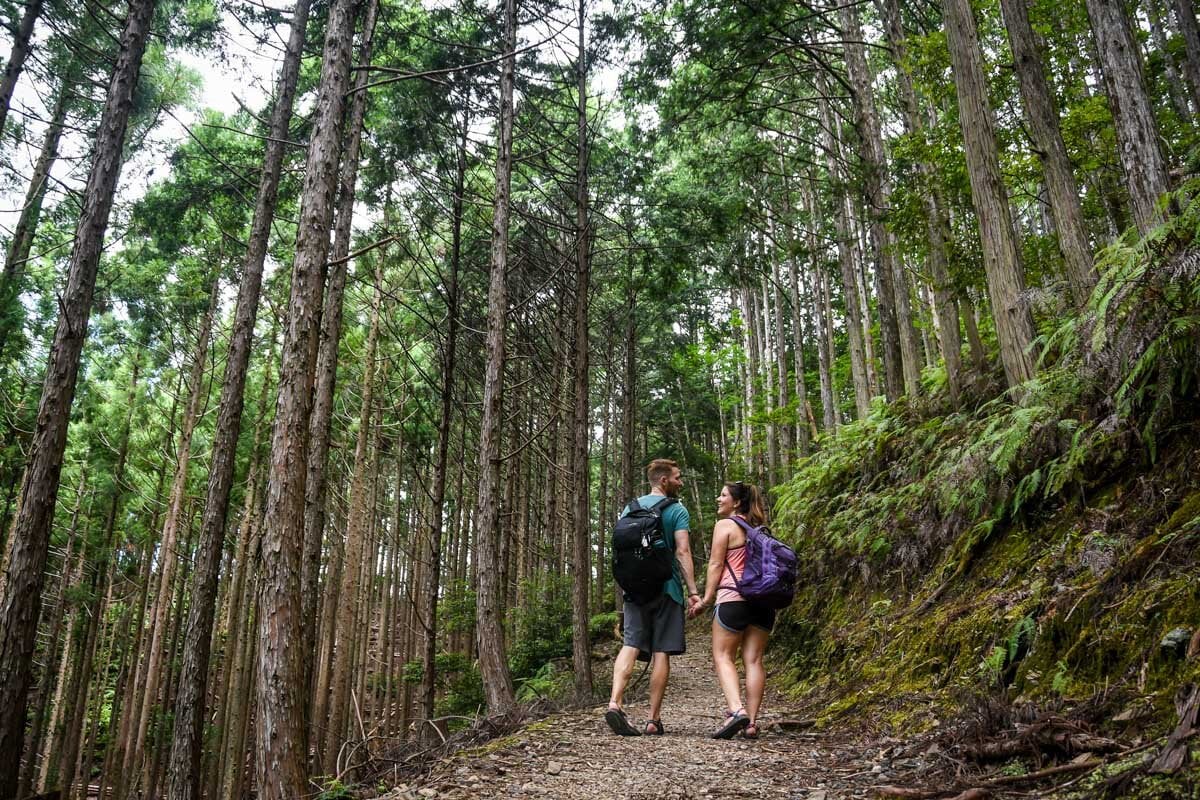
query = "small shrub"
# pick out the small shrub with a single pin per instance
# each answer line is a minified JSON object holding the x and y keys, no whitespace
{"x":601,"y":626}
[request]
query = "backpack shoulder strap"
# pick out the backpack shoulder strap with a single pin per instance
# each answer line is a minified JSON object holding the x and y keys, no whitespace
{"x":633,"y":505}
{"x":664,"y":504}
{"x":746,"y":526}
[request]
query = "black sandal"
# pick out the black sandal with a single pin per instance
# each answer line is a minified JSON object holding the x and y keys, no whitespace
{"x":619,"y":723}
{"x":735,"y":723}
{"x":658,"y":728}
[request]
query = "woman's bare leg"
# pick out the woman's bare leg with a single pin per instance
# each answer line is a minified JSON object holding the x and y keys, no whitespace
{"x":725,"y":646}
{"x":754,"y":643}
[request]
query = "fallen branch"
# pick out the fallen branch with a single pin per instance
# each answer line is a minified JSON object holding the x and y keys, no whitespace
{"x":1175,"y":753}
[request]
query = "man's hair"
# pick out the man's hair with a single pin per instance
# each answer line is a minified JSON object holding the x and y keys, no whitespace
{"x":658,"y":469}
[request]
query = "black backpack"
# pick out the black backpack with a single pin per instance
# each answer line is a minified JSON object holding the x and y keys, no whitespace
{"x":641,"y":560}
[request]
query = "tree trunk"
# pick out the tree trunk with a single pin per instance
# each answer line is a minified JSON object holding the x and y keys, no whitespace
{"x":31,"y":211}
{"x":854,"y":328}
{"x":356,"y":533}
{"x":581,"y":430}
{"x":45,"y":687}
{"x":1158,"y":35}
{"x":20,"y":51}
{"x":1185,"y":18}
{"x":937,"y":228}
{"x":901,"y":361}
{"x":280,"y":679}
{"x":183,"y":775}
{"x":100,"y":582}
{"x":781,"y":367}
{"x":1137,"y":133}
{"x":437,"y":499}
{"x":497,"y":683}
{"x":822,"y":311}
{"x":29,"y":539}
{"x":802,"y":438}
{"x":1001,"y":250}
{"x":1042,"y":113}
{"x":168,"y":551}
{"x":326,"y":376}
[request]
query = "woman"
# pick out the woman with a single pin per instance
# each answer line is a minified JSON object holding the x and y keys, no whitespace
{"x":736,"y":622}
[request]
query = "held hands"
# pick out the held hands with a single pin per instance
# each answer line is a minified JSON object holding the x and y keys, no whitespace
{"x":694,"y":606}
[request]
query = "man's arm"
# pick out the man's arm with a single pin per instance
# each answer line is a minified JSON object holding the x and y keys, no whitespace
{"x":683,"y":554}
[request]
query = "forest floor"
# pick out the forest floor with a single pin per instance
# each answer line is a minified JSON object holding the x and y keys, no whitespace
{"x":572,"y":754}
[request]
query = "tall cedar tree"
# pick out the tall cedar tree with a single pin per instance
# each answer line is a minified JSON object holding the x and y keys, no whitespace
{"x":29,"y":539}
{"x":184,"y":769}
{"x":280,"y":685}
{"x":493,"y":665}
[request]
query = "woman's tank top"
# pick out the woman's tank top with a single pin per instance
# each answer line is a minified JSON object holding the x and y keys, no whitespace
{"x":727,"y":591}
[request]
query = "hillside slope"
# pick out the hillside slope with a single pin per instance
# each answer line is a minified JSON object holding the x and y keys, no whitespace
{"x":1018,"y":561}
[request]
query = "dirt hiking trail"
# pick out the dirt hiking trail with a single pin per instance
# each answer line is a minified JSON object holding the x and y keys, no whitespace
{"x":574,"y":755}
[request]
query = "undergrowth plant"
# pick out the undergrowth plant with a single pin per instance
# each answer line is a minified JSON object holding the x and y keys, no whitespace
{"x":898,"y":487}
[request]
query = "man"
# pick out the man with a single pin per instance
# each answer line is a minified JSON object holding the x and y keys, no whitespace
{"x":654,"y":629}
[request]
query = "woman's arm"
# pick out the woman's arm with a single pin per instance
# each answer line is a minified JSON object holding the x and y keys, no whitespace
{"x":716,"y":559}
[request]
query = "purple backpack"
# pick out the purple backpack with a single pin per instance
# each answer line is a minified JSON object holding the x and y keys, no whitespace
{"x":769,"y":578}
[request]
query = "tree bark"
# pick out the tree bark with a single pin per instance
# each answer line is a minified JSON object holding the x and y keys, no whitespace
{"x":854,"y":328}
{"x":29,"y":539}
{"x":280,"y":678}
{"x":937,"y":226}
{"x":183,"y":774}
{"x":581,"y":561}
{"x":168,"y":551}
{"x":1185,"y":18}
{"x":901,"y":360}
{"x":437,"y":499}
{"x":326,"y":376}
{"x":493,"y":666}
{"x":1042,"y":113}
{"x":16,"y":59}
{"x":356,"y":533}
{"x":31,"y":211}
{"x":1001,"y":250}
{"x":1133,"y":117}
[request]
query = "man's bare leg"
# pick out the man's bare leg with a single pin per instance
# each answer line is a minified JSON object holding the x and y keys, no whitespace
{"x":622,"y":669}
{"x":660,"y":670}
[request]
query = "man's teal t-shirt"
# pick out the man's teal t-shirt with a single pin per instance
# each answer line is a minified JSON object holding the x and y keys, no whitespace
{"x":674,"y":518}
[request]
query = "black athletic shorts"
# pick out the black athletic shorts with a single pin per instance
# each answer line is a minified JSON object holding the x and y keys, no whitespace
{"x":738,"y":615}
{"x":656,"y":627}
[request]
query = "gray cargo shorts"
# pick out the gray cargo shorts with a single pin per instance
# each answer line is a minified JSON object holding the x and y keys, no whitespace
{"x":656,"y":627}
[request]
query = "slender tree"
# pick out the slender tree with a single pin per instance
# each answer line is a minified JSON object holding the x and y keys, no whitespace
{"x":1042,"y":113}
{"x":1001,"y":250}
{"x":581,"y":561}
{"x":1185,"y":19}
{"x":183,"y":774}
{"x":29,"y":539}
{"x":493,"y":666}
{"x":437,"y":497}
{"x":1133,"y":117}
{"x":31,"y":210}
{"x":22,"y":36}
{"x":281,"y":735}
{"x":901,"y":362}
